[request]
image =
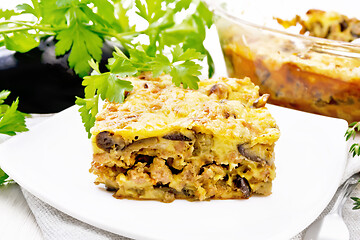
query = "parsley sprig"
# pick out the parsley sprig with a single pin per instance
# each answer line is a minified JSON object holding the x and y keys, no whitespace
{"x":351,"y":133}
{"x":110,"y":86}
{"x":356,"y":203}
{"x":11,"y":122}
{"x":355,"y":150}
{"x":81,"y":26}
{"x":173,"y":48}
{"x":174,"y":32}
{"x":4,"y":178}
{"x":106,"y":86}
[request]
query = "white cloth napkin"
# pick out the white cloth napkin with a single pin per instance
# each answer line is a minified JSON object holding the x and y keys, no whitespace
{"x":56,"y":225}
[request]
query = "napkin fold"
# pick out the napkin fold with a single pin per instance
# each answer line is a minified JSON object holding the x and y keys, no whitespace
{"x":56,"y":225}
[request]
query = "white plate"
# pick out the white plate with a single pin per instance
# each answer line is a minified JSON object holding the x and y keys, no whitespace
{"x":52,"y":161}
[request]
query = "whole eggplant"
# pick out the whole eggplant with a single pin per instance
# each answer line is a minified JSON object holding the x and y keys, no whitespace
{"x":43,"y":82}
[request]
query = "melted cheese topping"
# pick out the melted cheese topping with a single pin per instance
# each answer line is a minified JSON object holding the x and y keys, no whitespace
{"x":155,"y":108}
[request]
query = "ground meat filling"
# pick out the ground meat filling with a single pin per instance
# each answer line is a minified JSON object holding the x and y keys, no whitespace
{"x":157,"y":171}
{"x":160,"y":172}
{"x":173,"y":176}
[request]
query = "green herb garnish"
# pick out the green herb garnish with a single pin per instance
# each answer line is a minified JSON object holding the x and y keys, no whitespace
{"x":355,"y":150}
{"x":11,"y":122}
{"x":81,"y":26}
{"x":356,"y":203}
{"x":351,"y":133}
{"x":4,"y":178}
{"x":174,"y":31}
{"x":172,"y":48}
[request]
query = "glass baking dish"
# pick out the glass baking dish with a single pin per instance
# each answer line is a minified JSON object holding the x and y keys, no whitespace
{"x":301,"y":72}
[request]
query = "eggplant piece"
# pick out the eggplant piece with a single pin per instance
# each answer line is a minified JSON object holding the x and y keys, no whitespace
{"x":246,"y":153}
{"x":243,"y":185}
{"x":44,"y":83}
{"x":243,"y":151}
{"x":177,"y":136}
{"x":106,"y":141}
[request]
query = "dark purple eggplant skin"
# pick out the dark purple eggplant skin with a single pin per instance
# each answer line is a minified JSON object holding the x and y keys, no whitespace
{"x":44,"y":83}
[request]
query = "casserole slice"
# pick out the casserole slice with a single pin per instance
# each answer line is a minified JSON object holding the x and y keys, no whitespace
{"x":165,"y":142}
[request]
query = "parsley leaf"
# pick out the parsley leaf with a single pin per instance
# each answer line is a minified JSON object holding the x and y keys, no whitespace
{"x":26,"y":8}
{"x":84,"y":43}
{"x":11,"y":121}
{"x":106,"y":10}
{"x":151,"y":11}
{"x":189,"y":54}
{"x":106,"y":86}
{"x":160,"y":64}
{"x":182,"y":69}
{"x":21,"y":42}
{"x":7,"y":14}
{"x":185,"y":74}
{"x":356,"y":203}
{"x":122,"y":18}
{"x":3,"y":95}
{"x":182,"y":4}
{"x":351,"y":133}
{"x":88,"y":110}
{"x":205,"y":14}
{"x":3,"y":177}
{"x":355,"y":149}
{"x":110,"y":87}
